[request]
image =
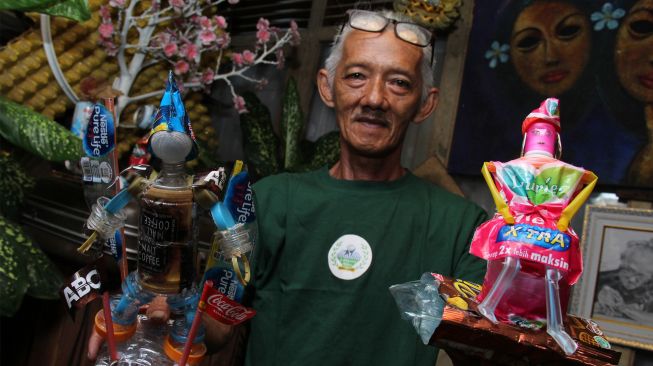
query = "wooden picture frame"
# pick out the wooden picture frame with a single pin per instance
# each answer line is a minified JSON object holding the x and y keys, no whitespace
{"x":616,"y":287}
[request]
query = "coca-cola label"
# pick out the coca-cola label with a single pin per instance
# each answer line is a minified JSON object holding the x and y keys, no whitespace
{"x":225,"y":310}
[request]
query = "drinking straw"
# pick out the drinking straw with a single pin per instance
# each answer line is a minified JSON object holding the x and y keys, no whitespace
{"x":108,"y":324}
{"x":196,"y":323}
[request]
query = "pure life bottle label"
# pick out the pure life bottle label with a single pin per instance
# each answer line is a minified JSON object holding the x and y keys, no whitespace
{"x":98,"y":139}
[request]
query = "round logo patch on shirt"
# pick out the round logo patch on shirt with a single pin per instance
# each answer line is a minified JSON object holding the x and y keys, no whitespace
{"x":349,"y":257}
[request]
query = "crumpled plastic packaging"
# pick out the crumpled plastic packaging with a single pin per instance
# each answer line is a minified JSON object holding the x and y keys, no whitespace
{"x":144,"y":348}
{"x":420,"y":304}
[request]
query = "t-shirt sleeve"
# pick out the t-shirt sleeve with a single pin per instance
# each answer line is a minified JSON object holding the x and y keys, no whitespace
{"x":469,"y":267}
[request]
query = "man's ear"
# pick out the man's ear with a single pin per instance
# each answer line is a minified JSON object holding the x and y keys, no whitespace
{"x":428,"y":106}
{"x":323,"y":87}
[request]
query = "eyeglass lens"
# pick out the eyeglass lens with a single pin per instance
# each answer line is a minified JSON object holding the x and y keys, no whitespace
{"x":372,"y":22}
{"x":411,"y":34}
{"x":367,"y":21}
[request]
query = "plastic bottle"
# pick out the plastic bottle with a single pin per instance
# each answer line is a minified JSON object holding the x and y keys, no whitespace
{"x":541,"y":137}
{"x":167,"y":233}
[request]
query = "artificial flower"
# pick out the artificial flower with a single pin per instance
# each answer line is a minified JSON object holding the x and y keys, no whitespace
{"x":106,"y":30}
{"x":237,"y":58}
{"x":181,"y":67}
{"x":249,"y":57}
{"x":207,"y":36}
{"x":497,"y":53}
{"x":170,"y":49}
{"x":239,"y":104}
{"x":607,"y":17}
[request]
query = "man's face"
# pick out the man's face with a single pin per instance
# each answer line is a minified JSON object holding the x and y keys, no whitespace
{"x":376,"y":92}
{"x":636,"y":269}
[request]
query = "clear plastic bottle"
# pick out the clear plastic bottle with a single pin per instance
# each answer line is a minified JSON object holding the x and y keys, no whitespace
{"x":167,"y":233}
{"x":106,"y":225}
{"x":230,"y":264}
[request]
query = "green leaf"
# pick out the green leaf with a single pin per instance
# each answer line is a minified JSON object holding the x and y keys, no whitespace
{"x":291,"y":126}
{"x":73,"y":9}
{"x":25,"y":5}
{"x":13,"y":184}
{"x":24,"y":268}
{"x":327,"y":150}
{"x":44,"y":279}
{"x":323,"y":152}
{"x":206,"y":157}
{"x":37,"y":134}
{"x":260,"y":144}
{"x":13,"y":273}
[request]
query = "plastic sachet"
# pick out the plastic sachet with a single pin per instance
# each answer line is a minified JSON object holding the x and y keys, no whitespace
{"x":420,"y":304}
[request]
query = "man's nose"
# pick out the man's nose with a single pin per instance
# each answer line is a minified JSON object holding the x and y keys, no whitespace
{"x":375,"y":94}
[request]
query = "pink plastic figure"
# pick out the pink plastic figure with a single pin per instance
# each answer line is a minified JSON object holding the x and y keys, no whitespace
{"x":533,"y":255}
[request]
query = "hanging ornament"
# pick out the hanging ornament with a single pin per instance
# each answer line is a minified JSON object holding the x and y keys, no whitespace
{"x":433,"y":14}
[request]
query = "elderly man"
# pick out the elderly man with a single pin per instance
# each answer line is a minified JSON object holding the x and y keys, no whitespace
{"x":332,"y":241}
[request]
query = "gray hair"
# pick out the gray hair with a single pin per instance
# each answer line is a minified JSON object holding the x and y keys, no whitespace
{"x":335,"y":54}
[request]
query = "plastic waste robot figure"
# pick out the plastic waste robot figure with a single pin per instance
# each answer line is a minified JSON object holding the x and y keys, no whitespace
{"x":533,"y":255}
{"x":167,"y":250}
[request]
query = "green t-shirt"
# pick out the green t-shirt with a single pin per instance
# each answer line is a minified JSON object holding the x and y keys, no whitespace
{"x":306,"y":313}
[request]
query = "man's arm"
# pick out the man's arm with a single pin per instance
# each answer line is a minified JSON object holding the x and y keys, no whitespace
{"x":469,"y":267}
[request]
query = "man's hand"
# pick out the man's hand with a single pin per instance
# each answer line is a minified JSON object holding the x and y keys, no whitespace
{"x":94,"y":343}
{"x":217,"y":334}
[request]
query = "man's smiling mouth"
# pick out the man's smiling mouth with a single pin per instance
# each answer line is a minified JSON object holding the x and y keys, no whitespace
{"x":372,"y":121}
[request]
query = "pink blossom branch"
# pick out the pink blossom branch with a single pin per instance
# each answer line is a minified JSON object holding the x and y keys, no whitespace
{"x":181,"y":36}
{"x":260,"y":59}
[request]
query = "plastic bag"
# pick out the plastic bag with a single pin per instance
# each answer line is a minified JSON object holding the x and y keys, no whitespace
{"x":420,"y":303}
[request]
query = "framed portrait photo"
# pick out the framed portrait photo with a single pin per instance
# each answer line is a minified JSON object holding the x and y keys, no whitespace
{"x":616,"y":287}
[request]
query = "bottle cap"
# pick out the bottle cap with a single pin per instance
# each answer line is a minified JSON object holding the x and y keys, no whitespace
{"x":121,"y":332}
{"x":548,"y":112}
{"x":175,"y":350}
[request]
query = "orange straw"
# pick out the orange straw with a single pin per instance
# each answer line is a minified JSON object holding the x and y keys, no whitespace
{"x":196,"y":323}
{"x":108,"y":324}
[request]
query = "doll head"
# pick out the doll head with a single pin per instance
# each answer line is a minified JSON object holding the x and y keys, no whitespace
{"x":541,"y":130}
{"x":172,"y":139}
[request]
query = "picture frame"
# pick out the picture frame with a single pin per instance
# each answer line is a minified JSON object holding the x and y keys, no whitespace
{"x":627,"y":355}
{"x":616,"y":287}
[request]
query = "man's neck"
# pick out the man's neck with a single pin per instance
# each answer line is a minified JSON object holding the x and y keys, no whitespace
{"x":370,"y":169}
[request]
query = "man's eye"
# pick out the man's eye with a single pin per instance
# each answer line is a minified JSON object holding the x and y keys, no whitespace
{"x":355,"y":75}
{"x":402,"y":83}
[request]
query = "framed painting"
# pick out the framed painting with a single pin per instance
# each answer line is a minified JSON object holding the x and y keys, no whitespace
{"x":616,"y":287}
{"x":582,"y":52}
